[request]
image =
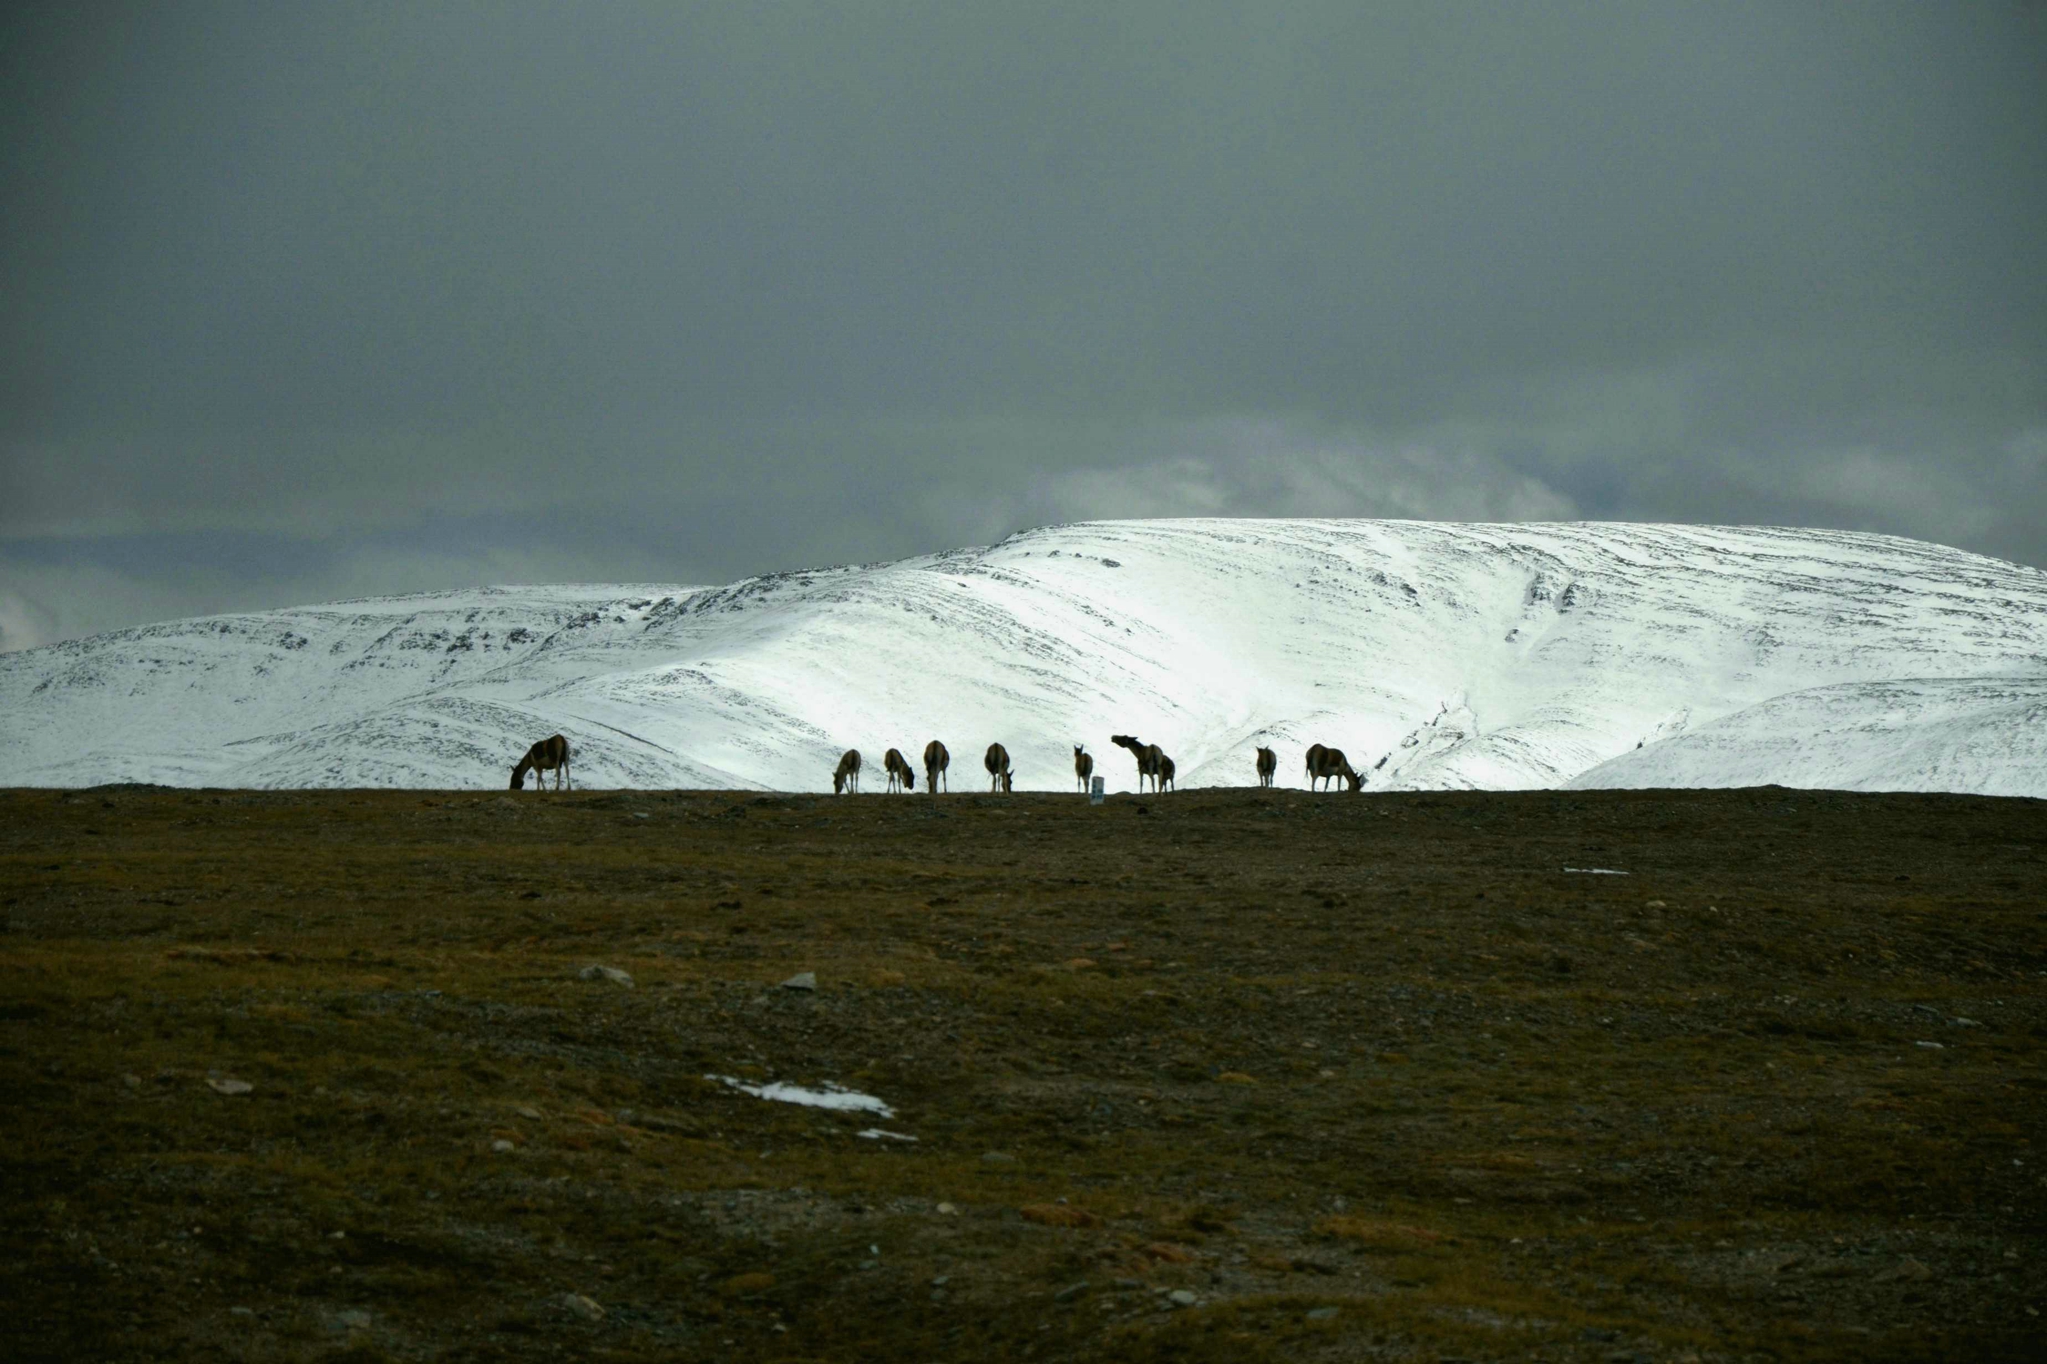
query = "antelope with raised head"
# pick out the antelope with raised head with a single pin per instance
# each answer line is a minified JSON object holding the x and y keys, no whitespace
{"x":1147,"y":755}
{"x":1083,"y":766}
{"x":847,"y":776}
{"x":997,"y":763}
{"x":936,"y":760}
{"x":549,"y":755}
{"x":1268,"y":764}
{"x":1327,"y":764}
{"x":900,"y":777}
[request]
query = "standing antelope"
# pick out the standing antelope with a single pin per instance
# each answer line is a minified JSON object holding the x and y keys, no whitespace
{"x":936,"y":760}
{"x":549,"y":755}
{"x":997,"y":763}
{"x":1147,"y":756}
{"x":1268,"y":763}
{"x":1083,"y":766}
{"x":1328,"y":764}
{"x":1165,"y":774}
{"x":847,"y":777}
{"x":900,"y":777}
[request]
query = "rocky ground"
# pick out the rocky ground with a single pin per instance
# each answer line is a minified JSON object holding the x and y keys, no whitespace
{"x":1219,"y":1075}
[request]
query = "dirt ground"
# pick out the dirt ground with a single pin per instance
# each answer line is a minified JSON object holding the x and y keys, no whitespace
{"x":1221,"y":1075}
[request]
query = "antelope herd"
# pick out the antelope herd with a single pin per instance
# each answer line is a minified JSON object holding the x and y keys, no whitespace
{"x":1325,"y":765}
{"x":1154,"y":765}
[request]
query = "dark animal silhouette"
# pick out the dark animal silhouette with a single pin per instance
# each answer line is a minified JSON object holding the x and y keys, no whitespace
{"x":1147,"y":755}
{"x":936,"y":760}
{"x":900,"y":777}
{"x":1268,"y":764}
{"x":1083,"y":766}
{"x":549,"y":755}
{"x":1327,"y":764}
{"x":997,"y":763}
{"x":1165,"y":776}
{"x":847,"y":776}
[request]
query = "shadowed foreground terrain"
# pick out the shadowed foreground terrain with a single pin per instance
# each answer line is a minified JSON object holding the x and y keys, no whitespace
{"x":1224,"y":1075}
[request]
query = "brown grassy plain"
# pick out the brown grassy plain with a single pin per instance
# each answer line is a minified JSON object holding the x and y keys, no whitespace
{"x":1364,"y":1077}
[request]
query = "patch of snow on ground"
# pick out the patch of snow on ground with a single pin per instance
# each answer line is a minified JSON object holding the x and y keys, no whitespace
{"x":831,"y":1096}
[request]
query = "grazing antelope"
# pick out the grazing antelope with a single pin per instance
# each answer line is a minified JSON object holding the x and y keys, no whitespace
{"x":1268,"y":763}
{"x":847,"y":777}
{"x":1147,"y":755}
{"x":936,"y":760}
{"x":1329,"y":764}
{"x":549,"y":755}
{"x":1083,"y":766}
{"x":900,"y":777}
{"x":997,"y":763}
{"x":1165,"y":774}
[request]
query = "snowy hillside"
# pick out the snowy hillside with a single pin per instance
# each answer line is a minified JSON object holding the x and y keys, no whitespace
{"x":1490,"y":656}
{"x":1982,"y":734}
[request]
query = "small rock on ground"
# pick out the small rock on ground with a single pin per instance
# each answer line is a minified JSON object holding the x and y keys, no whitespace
{"x":586,"y":1308}
{"x":1181,"y":1297}
{"x":354,"y":1319}
{"x":610,"y":973}
{"x":1909,"y":1270}
{"x":802,"y":980}
{"x":1322,"y":1314}
{"x":230,"y":1086}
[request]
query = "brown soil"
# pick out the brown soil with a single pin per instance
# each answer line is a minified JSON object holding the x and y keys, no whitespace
{"x":1358,"y":1077}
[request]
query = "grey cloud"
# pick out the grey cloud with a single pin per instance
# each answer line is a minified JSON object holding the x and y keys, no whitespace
{"x":514,"y":291}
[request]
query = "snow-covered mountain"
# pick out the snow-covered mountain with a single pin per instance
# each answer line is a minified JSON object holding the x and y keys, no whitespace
{"x":1488,"y":656}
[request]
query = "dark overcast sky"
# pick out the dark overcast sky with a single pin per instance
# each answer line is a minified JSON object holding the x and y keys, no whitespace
{"x":309,"y":300}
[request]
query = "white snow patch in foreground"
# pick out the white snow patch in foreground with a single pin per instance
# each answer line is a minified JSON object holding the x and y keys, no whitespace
{"x":1595,"y":871}
{"x":831,"y":1096}
{"x":877,"y":1134}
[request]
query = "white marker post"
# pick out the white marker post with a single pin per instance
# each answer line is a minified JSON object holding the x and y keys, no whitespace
{"x":1094,"y":795}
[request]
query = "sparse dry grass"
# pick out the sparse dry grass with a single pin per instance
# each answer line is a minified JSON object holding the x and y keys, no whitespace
{"x":1288,"y":1054}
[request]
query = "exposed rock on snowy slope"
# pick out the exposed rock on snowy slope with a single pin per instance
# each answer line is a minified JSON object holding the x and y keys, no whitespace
{"x":1436,"y":655}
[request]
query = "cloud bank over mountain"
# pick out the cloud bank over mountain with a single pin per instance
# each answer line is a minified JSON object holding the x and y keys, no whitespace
{"x":308,"y":302}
